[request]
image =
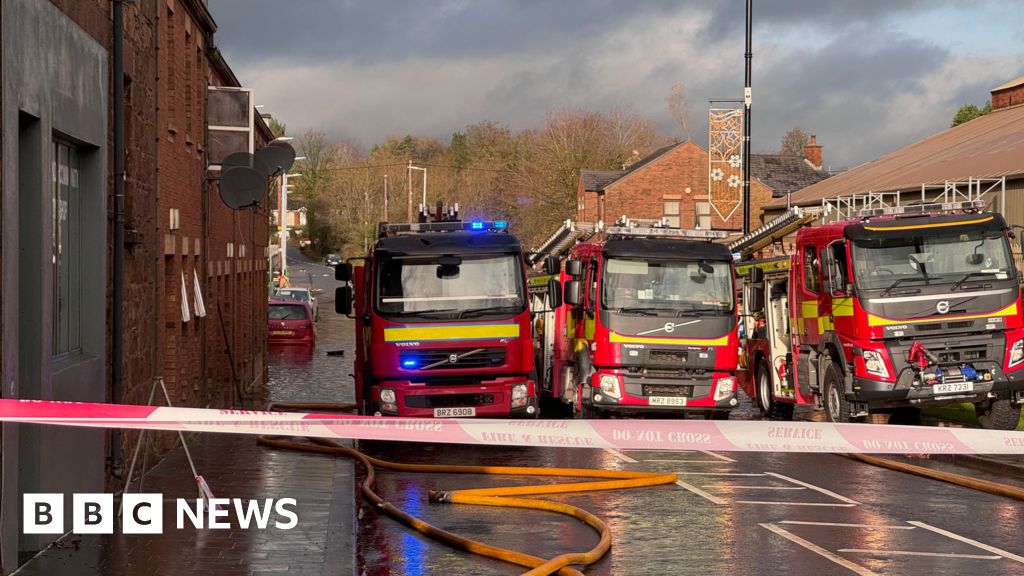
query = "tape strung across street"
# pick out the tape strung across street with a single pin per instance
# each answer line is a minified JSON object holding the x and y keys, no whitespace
{"x":728,"y":436}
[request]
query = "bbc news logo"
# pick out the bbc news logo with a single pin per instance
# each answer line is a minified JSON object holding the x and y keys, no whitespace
{"x":144,"y":513}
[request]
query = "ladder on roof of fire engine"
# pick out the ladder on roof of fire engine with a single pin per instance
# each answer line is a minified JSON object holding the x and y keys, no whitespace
{"x":853,"y":206}
{"x":563,"y":239}
{"x":773,"y":231}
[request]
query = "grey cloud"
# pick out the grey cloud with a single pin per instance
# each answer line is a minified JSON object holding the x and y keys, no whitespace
{"x":372,"y":69}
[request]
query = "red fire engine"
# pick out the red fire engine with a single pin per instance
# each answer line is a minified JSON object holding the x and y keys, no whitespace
{"x":442,"y":323}
{"x":648,"y":322}
{"x":900,"y":308}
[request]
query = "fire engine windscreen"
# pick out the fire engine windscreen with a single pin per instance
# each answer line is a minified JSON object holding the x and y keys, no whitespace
{"x":466,"y":285}
{"x":944,"y":258}
{"x":667,"y":287}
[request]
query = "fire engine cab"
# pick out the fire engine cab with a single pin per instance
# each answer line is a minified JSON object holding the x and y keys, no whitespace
{"x":442,"y":322}
{"x":648,"y":323}
{"x":901,"y":308}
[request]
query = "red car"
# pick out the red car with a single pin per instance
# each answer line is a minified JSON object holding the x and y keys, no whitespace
{"x":290,"y":322}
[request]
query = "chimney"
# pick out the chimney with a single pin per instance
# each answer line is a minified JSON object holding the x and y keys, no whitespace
{"x":1009,"y":94}
{"x":812,"y":152}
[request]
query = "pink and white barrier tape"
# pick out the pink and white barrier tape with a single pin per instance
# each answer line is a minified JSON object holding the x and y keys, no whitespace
{"x":735,"y":436}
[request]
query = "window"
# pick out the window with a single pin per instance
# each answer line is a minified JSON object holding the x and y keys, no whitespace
{"x":66,"y":246}
{"x":810,"y":269}
{"x":464,"y":286}
{"x":838,"y":273}
{"x":671,"y":213}
{"x":703,"y":217}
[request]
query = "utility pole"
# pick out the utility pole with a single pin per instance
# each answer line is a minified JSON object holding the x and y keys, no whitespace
{"x":282,"y":232}
{"x":408,"y":181}
{"x":385,"y":197}
{"x":748,"y":56}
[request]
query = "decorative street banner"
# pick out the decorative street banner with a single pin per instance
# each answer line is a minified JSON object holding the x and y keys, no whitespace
{"x":725,"y":160}
{"x":729,"y":436}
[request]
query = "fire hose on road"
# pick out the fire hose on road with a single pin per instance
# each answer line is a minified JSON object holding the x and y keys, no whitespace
{"x":501,"y":497}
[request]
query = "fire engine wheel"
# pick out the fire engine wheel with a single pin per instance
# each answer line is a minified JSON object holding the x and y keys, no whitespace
{"x":1000,"y":415}
{"x":837,"y":407}
{"x":770,"y":408}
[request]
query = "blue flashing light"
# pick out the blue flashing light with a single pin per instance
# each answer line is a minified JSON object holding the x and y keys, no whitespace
{"x":476,"y":225}
{"x":409,"y":363}
{"x":500,"y":225}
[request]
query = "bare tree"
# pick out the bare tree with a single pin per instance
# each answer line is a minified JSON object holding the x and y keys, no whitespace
{"x":677,"y":103}
{"x":793,"y":142}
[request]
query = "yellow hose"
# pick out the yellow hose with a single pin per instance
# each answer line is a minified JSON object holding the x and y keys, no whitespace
{"x":561,"y":564}
{"x":951,"y":477}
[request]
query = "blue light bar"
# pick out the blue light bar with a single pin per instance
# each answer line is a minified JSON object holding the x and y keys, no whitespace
{"x":500,"y":224}
{"x":410,"y":363}
{"x":476,"y":225}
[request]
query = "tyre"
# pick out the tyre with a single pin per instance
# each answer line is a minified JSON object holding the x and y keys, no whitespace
{"x":770,"y":408}
{"x":1000,"y":415}
{"x":837,"y":407}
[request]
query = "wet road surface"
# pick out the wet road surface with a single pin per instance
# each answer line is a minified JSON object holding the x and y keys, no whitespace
{"x":746,"y":513}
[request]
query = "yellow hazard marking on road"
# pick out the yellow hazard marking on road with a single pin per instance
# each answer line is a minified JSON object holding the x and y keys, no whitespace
{"x":451,"y":332}
{"x":873,"y":320}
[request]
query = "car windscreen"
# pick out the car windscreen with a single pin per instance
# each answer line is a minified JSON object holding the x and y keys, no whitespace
{"x":934,"y":259}
{"x":294,"y":294}
{"x":632,"y":283}
{"x":287,"y":312}
{"x":424,"y":285}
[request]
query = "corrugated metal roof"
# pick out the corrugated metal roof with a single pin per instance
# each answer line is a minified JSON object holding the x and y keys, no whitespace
{"x":987,"y":147}
{"x":1010,"y":84}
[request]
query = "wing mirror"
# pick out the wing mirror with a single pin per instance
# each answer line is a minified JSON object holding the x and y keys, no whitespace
{"x":554,"y":293}
{"x":343,"y":272}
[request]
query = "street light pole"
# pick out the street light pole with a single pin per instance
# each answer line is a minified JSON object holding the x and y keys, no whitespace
{"x":748,"y":56}
{"x":385,"y":197}
{"x":284,"y":219}
{"x":408,"y":183}
{"x":424,"y":170}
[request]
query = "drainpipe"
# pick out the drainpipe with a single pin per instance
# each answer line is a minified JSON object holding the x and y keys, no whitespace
{"x":117,"y":336}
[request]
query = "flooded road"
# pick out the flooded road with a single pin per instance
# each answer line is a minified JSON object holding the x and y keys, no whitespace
{"x":737,"y":513}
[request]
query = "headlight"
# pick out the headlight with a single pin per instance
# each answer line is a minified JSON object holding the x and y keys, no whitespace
{"x":874,"y":364}
{"x":725,"y":388}
{"x":387,"y":396}
{"x":519,"y":395}
{"x":610,"y":386}
{"x":1017,"y":353}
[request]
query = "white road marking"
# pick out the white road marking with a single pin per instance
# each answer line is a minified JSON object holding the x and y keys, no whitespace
{"x":910,"y":553}
{"x":816,"y":488}
{"x":747,"y":487}
{"x":845,"y":525}
{"x":620,"y":455}
{"x":966,"y":540}
{"x":858,"y":569}
{"x":716,"y":455}
{"x":700,"y":493}
{"x":830,"y":504}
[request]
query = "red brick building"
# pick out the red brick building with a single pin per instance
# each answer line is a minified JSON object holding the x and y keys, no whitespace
{"x":672,"y":183}
{"x":57,"y":121}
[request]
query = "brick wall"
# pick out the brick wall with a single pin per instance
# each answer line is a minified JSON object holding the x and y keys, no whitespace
{"x":680,"y":175}
{"x":1008,"y":97}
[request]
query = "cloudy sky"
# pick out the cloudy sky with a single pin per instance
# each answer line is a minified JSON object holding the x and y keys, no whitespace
{"x":865,"y":76}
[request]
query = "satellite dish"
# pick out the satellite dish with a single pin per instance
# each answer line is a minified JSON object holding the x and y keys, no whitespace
{"x":246,"y":160}
{"x":278,"y":155}
{"x":242,"y":186}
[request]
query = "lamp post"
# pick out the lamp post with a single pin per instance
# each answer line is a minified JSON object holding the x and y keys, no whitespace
{"x":283,"y":216}
{"x":424,"y":170}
